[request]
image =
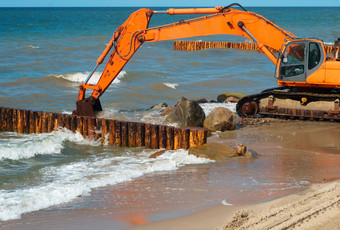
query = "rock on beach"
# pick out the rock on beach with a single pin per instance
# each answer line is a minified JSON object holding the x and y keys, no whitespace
{"x":186,"y":113}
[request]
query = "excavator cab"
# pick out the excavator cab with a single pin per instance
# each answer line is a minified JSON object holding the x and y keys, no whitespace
{"x":299,"y":60}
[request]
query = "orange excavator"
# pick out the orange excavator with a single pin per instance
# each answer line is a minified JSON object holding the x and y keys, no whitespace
{"x":309,"y":80}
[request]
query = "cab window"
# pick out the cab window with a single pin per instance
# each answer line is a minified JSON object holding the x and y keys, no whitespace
{"x":295,"y":53}
{"x":314,"y":55}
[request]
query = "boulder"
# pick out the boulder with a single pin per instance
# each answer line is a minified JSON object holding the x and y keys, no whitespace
{"x":235,"y":96}
{"x":213,"y":151}
{"x":186,"y":113}
{"x":166,"y":111}
{"x":220,"y":119}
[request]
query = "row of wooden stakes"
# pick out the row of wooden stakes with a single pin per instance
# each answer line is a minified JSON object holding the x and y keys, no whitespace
{"x":112,"y":132}
{"x":199,"y":45}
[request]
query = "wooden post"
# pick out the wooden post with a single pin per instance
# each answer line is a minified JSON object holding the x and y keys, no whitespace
{"x":31,"y":122}
{"x":26,"y":122}
{"x":1,"y":120}
{"x":170,"y":138}
{"x":56,"y":121}
{"x":154,"y":137}
{"x":79,"y":121}
{"x":38,"y":122}
{"x":140,"y":135}
{"x":85,"y":127}
{"x":21,"y":120}
{"x":112,"y":132}
{"x":98,"y":129}
{"x":177,"y":138}
{"x":91,"y":128}
{"x":148,"y":136}
{"x":14,"y":120}
{"x":125,"y":134}
{"x":62,"y":121}
{"x":104,"y":130}
{"x":118,"y":137}
{"x":132,"y":131}
{"x":73,"y":120}
{"x":185,"y":138}
{"x":193,"y":138}
{"x":202,"y":135}
{"x":50,"y":122}
{"x":44,"y":125}
{"x":67,"y":123}
{"x":198,"y":136}
{"x":162,"y":136}
{"x":10,"y":120}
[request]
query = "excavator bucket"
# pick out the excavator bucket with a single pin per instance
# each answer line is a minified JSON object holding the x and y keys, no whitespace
{"x":87,"y":107}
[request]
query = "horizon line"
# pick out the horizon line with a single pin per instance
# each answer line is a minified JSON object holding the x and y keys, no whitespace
{"x":145,"y":6}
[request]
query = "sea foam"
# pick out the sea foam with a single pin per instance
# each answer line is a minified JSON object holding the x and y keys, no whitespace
{"x":23,"y":146}
{"x":64,"y":183}
{"x":171,"y":85}
{"x":208,"y":107}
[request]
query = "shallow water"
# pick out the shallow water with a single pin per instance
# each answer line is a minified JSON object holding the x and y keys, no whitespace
{"x":48,"y":52}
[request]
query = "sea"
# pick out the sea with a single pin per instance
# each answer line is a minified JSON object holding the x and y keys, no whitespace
{"x":46,"y":53}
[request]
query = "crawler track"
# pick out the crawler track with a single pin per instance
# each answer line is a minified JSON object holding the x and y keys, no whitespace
{"x":285,"y":103}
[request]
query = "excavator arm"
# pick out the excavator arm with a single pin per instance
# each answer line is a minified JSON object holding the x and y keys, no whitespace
{"x":134,"y":32}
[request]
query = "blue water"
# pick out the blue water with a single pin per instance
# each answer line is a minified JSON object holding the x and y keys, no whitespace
{"x":47,"y":52}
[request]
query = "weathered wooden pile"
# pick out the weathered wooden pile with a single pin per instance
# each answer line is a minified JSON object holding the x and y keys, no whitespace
{"x":118,"y":133}
{"x":199,"y":45}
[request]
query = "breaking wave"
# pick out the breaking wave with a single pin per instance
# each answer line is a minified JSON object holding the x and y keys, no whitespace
{"x":80,"y":77}
{"x":60,"y":184}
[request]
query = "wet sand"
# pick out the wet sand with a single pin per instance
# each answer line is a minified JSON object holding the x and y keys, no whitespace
{"x":316,"y":208}
{"x":293,"y":156}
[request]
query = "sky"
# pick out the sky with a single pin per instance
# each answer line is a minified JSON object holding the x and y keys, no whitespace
{"x":155,"y":3}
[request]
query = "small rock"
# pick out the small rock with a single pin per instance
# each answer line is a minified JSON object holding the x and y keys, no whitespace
{"x":241,"y":149}
{"x":186,"y":113}
{"x":251,"y":154}
{"x":220,"y":119}
{"x":157,"y":154}
{"x":202,"y":100}
{"x":213,"y":151}
{"x":223,"y":96}
{"x":159,"y":106}
{"x":166,"y":111}
{"x":232,"y":99}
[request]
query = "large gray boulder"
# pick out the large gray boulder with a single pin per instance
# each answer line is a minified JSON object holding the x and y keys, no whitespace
{"x":186,"y":113}
{"x":220,"y":119}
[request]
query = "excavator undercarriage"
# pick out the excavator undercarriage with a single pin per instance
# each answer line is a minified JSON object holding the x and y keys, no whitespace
{"x":292,"y":103}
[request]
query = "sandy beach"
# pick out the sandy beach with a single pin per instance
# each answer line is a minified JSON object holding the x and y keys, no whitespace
{"x":316,"y":208}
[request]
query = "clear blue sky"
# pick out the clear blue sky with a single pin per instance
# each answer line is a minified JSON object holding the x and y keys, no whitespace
{"x":171,"y":3}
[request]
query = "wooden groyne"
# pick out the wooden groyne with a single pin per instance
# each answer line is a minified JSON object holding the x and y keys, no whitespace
{"x":113,"y":132}
{"x":199,"y":45}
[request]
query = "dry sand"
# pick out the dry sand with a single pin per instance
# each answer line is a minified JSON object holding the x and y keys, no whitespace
{"x":315,"y":208}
